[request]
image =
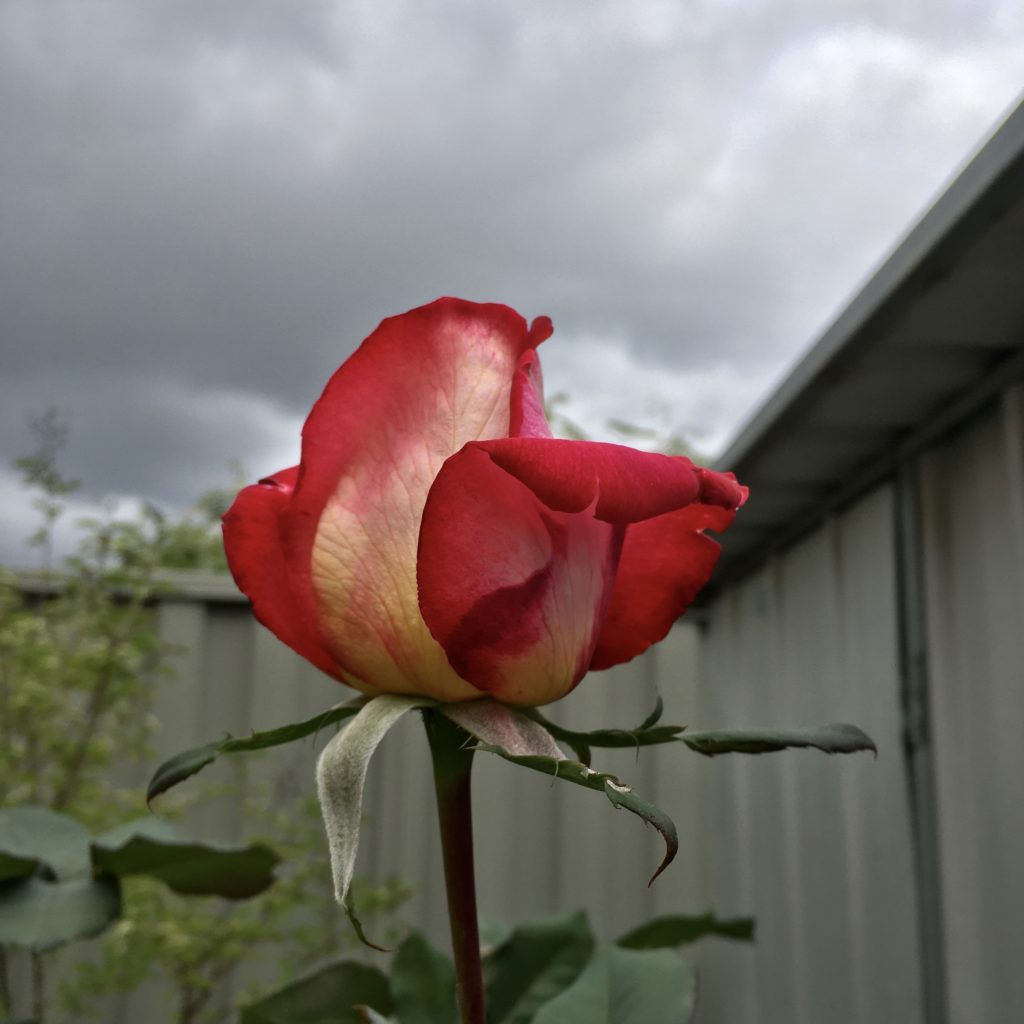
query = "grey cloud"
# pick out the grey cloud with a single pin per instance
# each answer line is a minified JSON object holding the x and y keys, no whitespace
{"x":214,"y":199}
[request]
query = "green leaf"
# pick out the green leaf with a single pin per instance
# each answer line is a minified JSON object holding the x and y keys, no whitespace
{"x":41,"y":915}
{"x":12,"y":866}
{"x":186,"y":764}
{"x":341,"y":774}
{"x":37,"y":835}
{"x":680,"y":929}
{"x":148,"y":825}
{"x":625,"y":986}
{"x":423,"y":984}
{"x":645,"y":736}
{"x":193,"y":869}
{"x":536,"y":962}
{"x":492,"y":934}
{"x":369,"y":1015}
{"x":832,"y":739}
{"x":617,"y":792}
{"x":329,"y":995}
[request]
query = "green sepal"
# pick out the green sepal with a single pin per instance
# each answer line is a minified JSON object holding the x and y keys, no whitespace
{"x":616,"y":791}
{"x":187,"y":763}
{"x":836,"y":738}
{"x":680,"y":929}
{"x":645,"y":735}
{"x":340,"y":777}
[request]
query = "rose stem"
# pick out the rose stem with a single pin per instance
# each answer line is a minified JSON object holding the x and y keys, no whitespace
{"x":453,"y":760}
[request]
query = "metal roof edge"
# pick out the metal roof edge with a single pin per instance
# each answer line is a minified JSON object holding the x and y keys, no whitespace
{"x":975,"y":181}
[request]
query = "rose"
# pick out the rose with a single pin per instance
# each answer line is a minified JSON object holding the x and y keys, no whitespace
{"x":436,"y":540}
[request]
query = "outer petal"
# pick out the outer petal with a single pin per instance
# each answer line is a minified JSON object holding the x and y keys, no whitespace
{"x":665,"y":562}
{"x":629,"y":485}
{"x":418,"y":389}
{"x":253,"y":543}
{"x":519,"y":548}
{"x":527,"y":407}
{"x":514,"y":591}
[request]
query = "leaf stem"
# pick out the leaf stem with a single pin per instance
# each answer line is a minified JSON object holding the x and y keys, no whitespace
{"x":453,"y":761}
{"x":38,"y":987}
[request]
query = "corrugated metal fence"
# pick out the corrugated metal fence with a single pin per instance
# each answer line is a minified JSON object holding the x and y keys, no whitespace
{"x":823,"y":851}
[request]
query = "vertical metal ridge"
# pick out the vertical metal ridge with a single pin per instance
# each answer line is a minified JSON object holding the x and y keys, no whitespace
{"x":917,"y":742}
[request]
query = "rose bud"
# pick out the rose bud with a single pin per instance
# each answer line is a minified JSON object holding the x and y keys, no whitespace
{"x":436,"y":540}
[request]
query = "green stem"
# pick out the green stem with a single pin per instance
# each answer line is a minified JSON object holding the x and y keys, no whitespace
{"x":453,"y":761}
{"x":38,"y":988}
{"x":5,"y":985}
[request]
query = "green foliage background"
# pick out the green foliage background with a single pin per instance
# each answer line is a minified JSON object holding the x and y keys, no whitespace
{"x":79,"y":658}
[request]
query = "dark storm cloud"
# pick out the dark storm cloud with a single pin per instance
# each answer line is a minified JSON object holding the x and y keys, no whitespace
{"x":206,"y":206}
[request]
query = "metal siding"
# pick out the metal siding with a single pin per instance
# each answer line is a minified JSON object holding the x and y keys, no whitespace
{"x":818,"y":849}
{"x":973,"y":501}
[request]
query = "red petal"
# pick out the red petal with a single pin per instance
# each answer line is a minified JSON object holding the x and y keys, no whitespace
{"x":513,"y":591}
{"x":420,"y":387}
{"x":665,"y":562}
{"x":253,"y":544}
{"x":628,"y":485}
{"x":527,"y":418}
{"x":519,"y":541}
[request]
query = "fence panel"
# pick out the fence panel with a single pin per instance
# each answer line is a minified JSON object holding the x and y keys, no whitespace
{"x":817,"y":848}
{"x":973,"y":501}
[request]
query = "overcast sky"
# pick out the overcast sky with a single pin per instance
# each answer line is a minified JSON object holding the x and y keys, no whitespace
{"x":206,"y":206}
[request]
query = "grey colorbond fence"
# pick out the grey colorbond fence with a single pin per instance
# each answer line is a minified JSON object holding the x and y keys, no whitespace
{"x":852,"y":926}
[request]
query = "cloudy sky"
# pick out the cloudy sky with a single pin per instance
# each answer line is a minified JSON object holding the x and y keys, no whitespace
{"x":206,"y":206}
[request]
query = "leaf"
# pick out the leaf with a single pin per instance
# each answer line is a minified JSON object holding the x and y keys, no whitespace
{"x":423,"y":984}
{"x":37,"y":835}
{"x":12,"y":866}
{"x":625,"y":986}
{"x":190,"y":868}
{"x":369,"y":1015}
{"x":832,"y":739}
{"x":492,"y":934}
{"x":149,"y":825}
{"x":644,"y":736}
{"x":618,"y":793}
{"x":537,"y":961}
{"x":329,"y":995}
{"x":186,"y":764}
{"x":41,"y":915}
{"x":341,"y":774}
{"x":680,"y":929}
